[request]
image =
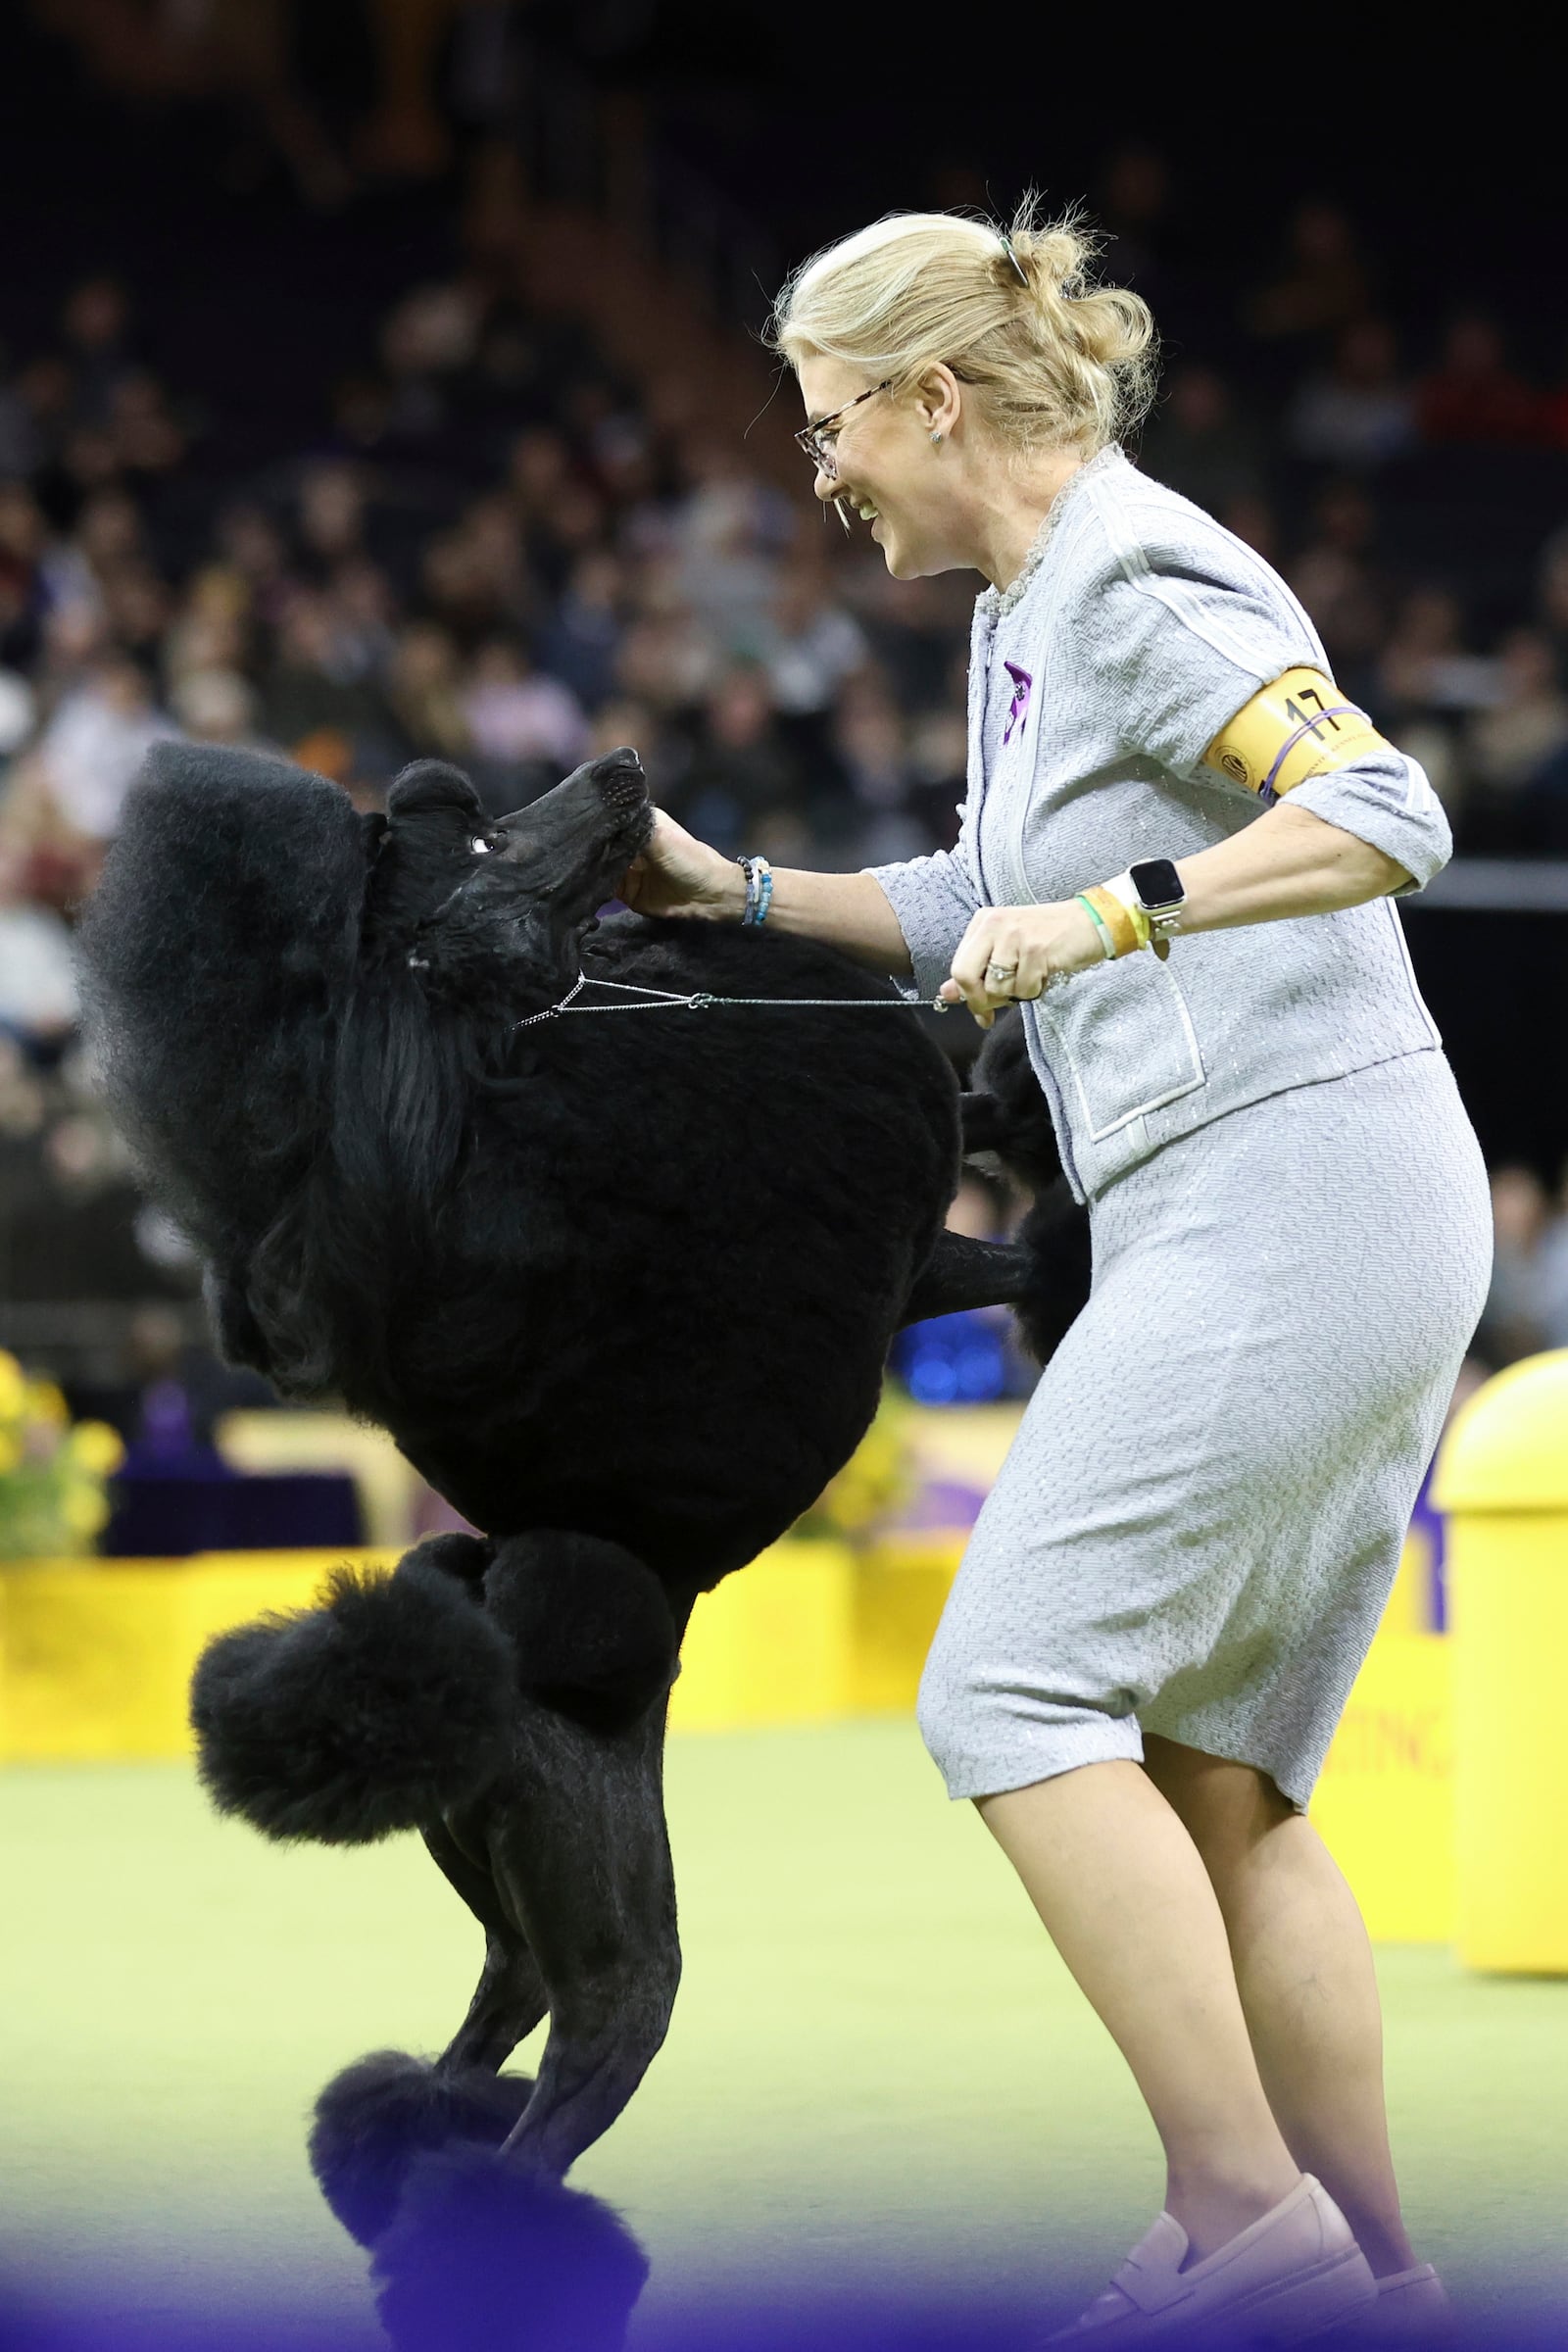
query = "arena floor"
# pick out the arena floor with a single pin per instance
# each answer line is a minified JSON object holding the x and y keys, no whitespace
{"x":880,"y":2078}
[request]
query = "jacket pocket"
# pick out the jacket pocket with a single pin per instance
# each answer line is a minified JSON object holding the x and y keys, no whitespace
{"x":1123,"y":1038}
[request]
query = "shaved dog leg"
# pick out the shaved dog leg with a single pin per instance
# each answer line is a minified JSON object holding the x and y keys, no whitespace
{"x":580,"y":1851}
{"x":510,"y":1998}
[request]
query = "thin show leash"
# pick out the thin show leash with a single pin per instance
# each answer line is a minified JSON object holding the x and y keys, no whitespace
{"x":663,"y":999}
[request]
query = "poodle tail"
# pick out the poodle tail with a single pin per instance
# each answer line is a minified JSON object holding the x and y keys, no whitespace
{"x":1055,"y":1236}
{"x":385,"y":1707}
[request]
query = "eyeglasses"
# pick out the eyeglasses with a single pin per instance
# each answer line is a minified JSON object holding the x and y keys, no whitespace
{"x":815,"y":441}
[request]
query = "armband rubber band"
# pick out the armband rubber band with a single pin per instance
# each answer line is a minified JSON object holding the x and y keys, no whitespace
{"x":1296,"y":728}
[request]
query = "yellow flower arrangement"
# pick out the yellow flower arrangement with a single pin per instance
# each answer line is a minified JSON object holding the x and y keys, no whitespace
{"x":876,"y":1481}
{"x":53,"y":1471}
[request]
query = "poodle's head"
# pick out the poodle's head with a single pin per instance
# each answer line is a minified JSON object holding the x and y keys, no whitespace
{"x":290,"y":1002}
{"x":477,"y":906}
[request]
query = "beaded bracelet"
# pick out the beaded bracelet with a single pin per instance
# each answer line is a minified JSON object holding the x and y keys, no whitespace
{"x":759,"y":889}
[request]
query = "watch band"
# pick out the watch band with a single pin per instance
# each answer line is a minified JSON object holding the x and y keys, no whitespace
{"x":1152,"y":892}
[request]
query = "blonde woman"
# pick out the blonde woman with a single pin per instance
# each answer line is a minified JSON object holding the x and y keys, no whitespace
{"x":1177,"y":852}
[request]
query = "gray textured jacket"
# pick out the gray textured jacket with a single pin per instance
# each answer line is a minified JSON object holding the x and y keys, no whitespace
{"x":1138,"y":629}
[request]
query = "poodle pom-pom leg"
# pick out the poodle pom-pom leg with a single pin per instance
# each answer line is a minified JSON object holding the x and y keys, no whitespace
{"x":384,"y":2111}
{"x":477,"y":2258}
{"x":376,"y":1712}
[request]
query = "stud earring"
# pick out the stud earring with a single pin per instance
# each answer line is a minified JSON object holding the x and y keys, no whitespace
{"x":935,"y":440}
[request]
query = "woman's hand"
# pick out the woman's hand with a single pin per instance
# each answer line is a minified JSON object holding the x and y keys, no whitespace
{"x":677,"y":874}
{"x":1010,"y":952}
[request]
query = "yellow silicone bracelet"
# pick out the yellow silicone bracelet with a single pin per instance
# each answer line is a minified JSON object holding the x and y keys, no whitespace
{"x":1117,"y":919}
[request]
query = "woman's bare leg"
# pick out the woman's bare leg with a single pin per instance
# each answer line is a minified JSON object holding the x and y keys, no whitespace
{"x":1124,"y":1894}
{"x":1304,"y":1972}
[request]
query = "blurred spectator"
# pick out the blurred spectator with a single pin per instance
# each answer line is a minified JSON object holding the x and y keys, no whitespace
{"x":216,"y":706}
{"x":81,"y":768}
{"x":666,"y":658}
{"x":18,"y":709}
{"x":1512,"y":1320}
{"x":476,"y":575}
{"x":211,"y":630}
{"x":918,"y":630}
{"x":1552,"y":596}
{"x":23,"y":588}
{"x":1337,"y":580}
{"x":810,"y":644}
{"x":868,"y":743}
{"x":37,"y":983}
{"x":1510,"y":741}
{"x":580,"y":645}
{"x":1322,"y":286}
{"x":424,"y":692}
{"x":252,"y":552}
{"x":1473,"y":395}
{"x":315,"y":681}
{"x":728,"y":568}
{"x":19,"y":448}
{"x":514,"y":713}
{"x":1541,"y":810}
{"x":1199,"y":445}
{"x":143,"y":436}
{"x":1552,"y":1268}
{"x":1426,"y":664}
{"x":1356,"y":412}
{"x":742,"y":790}
{"x":95,"y":325}
{"x":331,"y":519}
{"x":938,"y":757}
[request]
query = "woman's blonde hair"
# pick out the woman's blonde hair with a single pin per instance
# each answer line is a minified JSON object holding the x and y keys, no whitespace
{"x":1057,"y":363}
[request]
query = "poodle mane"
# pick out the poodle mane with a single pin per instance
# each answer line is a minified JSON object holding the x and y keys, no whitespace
{"x":292,"y":1009}
{"x":212,"y":956}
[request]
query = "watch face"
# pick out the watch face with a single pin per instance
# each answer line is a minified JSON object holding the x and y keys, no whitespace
{"x":1157,"y":883}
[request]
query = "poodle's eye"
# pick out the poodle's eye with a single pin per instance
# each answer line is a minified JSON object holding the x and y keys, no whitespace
{"x":481,"y":845}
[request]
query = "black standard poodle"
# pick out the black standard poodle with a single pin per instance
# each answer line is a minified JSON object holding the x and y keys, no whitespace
{"x":619,"y":1282}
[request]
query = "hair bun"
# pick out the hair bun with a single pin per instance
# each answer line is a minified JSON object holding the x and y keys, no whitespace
{"x":1051,"y":359}
{"x":1052,"y":261}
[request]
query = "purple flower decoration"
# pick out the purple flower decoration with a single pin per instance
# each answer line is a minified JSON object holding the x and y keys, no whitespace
{"x":1022,"y":686}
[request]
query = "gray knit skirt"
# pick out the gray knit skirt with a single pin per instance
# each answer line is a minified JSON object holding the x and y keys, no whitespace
{"x":1199,"y":1522}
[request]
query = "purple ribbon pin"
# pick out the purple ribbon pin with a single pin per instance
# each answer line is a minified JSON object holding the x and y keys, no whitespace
{"x":1022,"y":687}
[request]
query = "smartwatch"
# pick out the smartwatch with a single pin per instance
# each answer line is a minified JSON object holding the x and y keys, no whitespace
{"x":1158,"y":889}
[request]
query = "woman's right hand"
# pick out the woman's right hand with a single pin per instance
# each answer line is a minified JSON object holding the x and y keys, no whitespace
{"x":678,"y":874}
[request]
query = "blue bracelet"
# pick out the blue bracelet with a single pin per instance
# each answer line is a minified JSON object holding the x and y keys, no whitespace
{"x":759,"y":889}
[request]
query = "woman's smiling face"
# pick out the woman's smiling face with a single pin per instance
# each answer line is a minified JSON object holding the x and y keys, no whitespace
{"x":886,"y":467}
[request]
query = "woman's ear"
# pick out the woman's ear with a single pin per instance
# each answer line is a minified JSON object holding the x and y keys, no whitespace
{"x":939,"y":401}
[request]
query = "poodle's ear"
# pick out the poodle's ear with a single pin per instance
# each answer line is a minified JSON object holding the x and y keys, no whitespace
{"x":428,"y":785}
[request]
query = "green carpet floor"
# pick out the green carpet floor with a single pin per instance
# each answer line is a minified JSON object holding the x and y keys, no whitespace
{"x":877,"y":2064}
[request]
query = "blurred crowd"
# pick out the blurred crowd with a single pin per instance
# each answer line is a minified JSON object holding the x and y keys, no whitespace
{"x":1528,"y":1306}
{"x":502,"y":547}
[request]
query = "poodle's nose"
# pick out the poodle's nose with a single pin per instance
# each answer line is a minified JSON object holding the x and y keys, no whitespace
{"x":621,"y":782}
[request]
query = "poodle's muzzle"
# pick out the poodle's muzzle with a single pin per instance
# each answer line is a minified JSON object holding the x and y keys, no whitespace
{"x":594,"y":822}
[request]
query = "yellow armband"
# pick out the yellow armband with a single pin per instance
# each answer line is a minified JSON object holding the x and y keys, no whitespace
{"x":1301,"y":726}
